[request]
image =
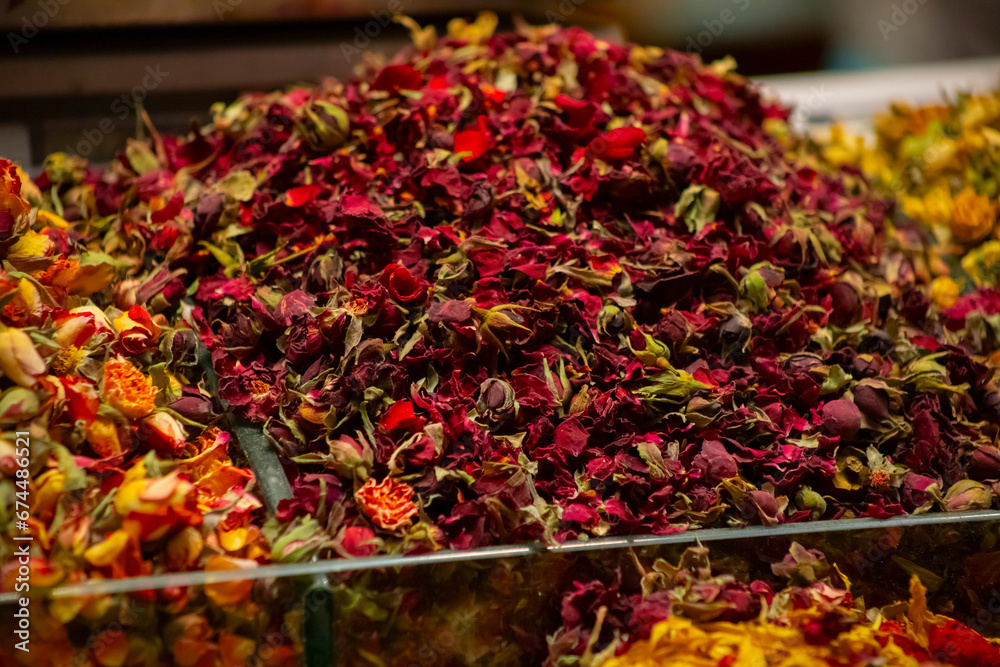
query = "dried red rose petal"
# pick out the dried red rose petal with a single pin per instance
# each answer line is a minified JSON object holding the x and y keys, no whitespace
{"x":472,"y":143}
{"x":393,"y":78}
{"x":403,"y":286}
{"x":400,"y":415}
{"x":616,"y":144}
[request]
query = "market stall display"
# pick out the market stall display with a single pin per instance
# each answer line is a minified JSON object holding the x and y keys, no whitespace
{"x":506,"y":288}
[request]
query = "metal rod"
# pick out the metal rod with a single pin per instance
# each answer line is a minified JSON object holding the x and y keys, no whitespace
{"x":261,"y":457}
{"x":107,"y":586}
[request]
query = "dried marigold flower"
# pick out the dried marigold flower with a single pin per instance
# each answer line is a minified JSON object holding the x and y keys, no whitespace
{"x":127,"y":390}
{"x":389,"y":503}
{"x":972,"y":217}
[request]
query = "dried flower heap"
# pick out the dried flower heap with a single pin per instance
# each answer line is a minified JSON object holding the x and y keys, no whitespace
{"x":518,"y":286}
{"x":115,"y":483}
{"x":812,"y":620}
{"x":556,"y":287}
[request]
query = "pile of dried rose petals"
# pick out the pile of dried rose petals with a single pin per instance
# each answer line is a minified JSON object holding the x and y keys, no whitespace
{"x":519,"y":286}
{"x":525,"y":286}
{"x":537,"y":286}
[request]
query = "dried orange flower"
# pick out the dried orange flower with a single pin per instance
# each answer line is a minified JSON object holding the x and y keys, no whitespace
{"x":972,"y":217}
{"x":389,"y":503}
{"x":127,"y":390}
{"x":11,"y":183}
{"x":60,"y":274}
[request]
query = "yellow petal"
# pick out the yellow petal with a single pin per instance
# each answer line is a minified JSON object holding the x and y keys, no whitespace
{"x":105,"y":553}
{"x":31,"y":244}
{"x":19,"y":358}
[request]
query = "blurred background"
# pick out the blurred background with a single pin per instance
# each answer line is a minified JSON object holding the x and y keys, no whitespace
{"x":71,"y":71}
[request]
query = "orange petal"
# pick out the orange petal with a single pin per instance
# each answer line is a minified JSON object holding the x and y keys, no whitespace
{"x":111,"y":648}
{"x":46,"y":573}
{"x":228,"y":592}
{"x":235,"y":650}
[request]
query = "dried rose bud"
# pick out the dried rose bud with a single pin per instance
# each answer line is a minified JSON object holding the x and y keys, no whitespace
{"x":18,"y":404}
{"x":735,"y":336}
{"x":184,"y":548}
{"x":973,"y":216}
{"x":841,"y":418}
{"x":346,"y":454}
{"x":791,"y":250}
{"x":715,"y":463}
{"x":324,"y":125}
{"x":82,"y":325}
{"x":103,"y":437}
{"x":765,"y":506}
{"x":613,"y":320}
{"x":496,"y":401}
{"x":915,"y":305}
{"x":359,"y":541}
{"x":127,"y":390}
{"x":846,"y":306}
{"x":137,"y":332}
{"x":184,"y":346}
{"x":208,"y":214}
{"x":389,"y":503}
{"x":673,"y":328}
{"x":985,"y":463}
{"x":815,"y":503}
{"x":871,"y":401}
{"x":194,"y":406}
{"x":162,"y":433}
{"x":19,"y":359}
{"x":968,"y":494}
{"x":917,"y":489}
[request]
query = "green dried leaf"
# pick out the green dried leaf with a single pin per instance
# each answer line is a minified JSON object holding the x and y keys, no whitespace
{"x":697,"y":207}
